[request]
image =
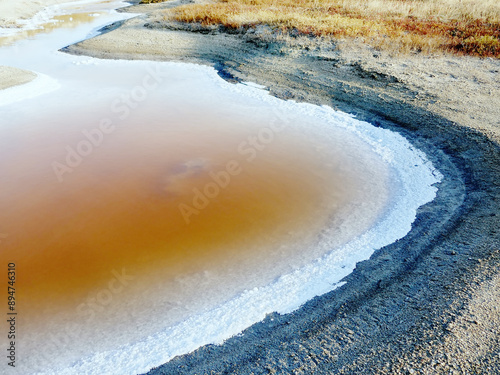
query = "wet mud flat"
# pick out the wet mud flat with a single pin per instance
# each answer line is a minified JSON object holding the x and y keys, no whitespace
{"x":427,"y":301}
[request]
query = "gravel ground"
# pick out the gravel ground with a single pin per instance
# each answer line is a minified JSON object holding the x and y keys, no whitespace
{"x":428,"y":303}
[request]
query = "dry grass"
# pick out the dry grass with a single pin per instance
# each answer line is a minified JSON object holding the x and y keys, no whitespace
{"x":151,"y":1}
{"x":462,"y":26}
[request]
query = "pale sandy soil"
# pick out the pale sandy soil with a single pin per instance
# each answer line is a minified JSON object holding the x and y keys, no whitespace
{"x":10,"y":76}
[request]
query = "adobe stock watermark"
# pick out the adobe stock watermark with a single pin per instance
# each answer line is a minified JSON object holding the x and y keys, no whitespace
{"x":58,"y":341}
{"x":62,"y":339}
{"x":249,"y":149}
{"x":3,"y":236}
{"x":104,"y":297}
{"x":120,"y":109}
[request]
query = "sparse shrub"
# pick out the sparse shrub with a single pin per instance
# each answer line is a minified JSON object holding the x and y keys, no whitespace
{"x":151,"y":1}
{"x":484,"y":45}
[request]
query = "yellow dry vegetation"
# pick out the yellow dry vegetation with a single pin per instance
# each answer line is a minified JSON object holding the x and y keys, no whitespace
{"x":462,"y":26}
{"x":151,"y":1}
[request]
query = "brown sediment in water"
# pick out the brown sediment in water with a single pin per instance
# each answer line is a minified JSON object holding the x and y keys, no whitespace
{"x":265,"y":208}
{"x":120,"y":209}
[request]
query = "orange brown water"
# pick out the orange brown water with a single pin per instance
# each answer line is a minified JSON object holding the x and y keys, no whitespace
{"x":119,"y":212}
{"x":119,"y":209}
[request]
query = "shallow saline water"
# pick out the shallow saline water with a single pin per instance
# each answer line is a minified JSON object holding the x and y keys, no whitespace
{"x":154,"y":207}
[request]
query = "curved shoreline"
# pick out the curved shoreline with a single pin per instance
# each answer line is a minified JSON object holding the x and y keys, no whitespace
{"x":408,"y":306}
